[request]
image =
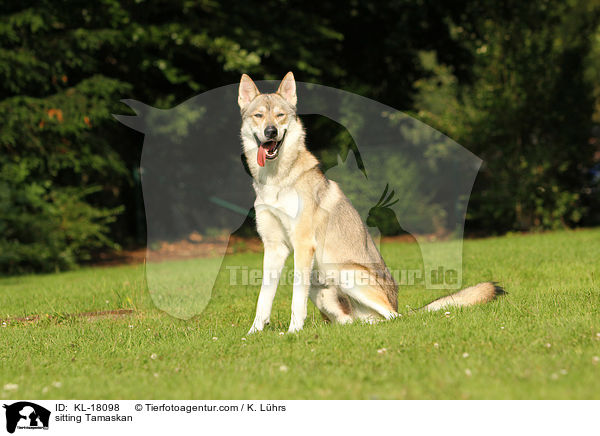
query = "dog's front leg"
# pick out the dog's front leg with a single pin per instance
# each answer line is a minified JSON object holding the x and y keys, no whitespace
{"x":303,"y":261}
{"x":274,"y":260}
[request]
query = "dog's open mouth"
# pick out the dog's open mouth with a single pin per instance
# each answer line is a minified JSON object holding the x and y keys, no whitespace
{"x":267,"y":150}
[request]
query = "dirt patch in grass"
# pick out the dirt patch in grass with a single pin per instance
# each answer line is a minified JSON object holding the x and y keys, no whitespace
{"x":196,"y":246}
{"x":117,"y":313}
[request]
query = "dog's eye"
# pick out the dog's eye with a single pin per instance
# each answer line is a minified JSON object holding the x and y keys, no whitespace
{"x":258,"y":115}
{"x":280,"y":115}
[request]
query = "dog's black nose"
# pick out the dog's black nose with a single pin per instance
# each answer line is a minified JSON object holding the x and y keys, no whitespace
{"x":271,"y":132}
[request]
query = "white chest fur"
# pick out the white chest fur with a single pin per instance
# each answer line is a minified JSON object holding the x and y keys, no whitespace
{"x":284,"y":203}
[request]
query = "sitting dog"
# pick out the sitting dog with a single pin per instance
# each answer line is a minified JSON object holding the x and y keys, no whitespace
{"x":298,"y":209}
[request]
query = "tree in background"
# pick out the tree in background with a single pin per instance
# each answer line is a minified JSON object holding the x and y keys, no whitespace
{"x":527,"y":110}
{"x":66,"y":165}
{"x":58,"y":168}
{"x":516,"y":97}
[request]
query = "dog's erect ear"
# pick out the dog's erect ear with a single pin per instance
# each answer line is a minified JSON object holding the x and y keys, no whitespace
{"x":287,"y":89}
{"x":247,"y":92}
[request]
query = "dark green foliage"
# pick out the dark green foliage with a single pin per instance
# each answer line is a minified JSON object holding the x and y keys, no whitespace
{"x":59,"y":171}
{"x":65,"y":65}
{"x":51,"y":168}
{"x":527,"y":112}
{"x":508,"y":83}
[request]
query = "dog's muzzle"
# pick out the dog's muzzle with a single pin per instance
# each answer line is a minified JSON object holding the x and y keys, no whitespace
{"x":268,"y":150}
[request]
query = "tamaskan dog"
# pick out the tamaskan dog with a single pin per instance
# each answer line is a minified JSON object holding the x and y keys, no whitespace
{"x":299,"y":210}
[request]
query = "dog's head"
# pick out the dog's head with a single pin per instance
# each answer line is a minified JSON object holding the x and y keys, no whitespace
{"x":267,"y":118}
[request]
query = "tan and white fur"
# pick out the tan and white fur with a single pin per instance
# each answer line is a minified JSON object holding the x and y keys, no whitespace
{"x":299,"y":210}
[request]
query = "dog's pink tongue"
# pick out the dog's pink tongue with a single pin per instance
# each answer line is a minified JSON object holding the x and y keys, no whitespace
{"x":261,"y":156}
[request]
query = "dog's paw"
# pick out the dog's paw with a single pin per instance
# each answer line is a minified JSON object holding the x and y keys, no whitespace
{"x":393,"y":315}
{"x":257,"y":327}
{"x":294,"y":329}
{"x":254,"y":329}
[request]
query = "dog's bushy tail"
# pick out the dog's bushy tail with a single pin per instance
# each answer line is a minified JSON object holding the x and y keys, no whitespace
{"x":480,"y":293}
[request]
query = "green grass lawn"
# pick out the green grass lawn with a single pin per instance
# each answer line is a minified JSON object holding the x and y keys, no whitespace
{"x":542,"y":340}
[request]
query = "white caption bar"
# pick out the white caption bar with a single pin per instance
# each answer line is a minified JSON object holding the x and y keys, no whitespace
{"x":299,"y":417}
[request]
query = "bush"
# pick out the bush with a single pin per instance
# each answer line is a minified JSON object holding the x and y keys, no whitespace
{"x":45,"y":228}
{"x":52,"y":164}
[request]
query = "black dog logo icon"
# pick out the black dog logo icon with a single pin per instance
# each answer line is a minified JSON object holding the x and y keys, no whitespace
{"x":26,"y":415}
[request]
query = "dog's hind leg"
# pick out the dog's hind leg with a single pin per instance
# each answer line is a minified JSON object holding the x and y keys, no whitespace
{"x":333,"y":305}
{"x":371,"y":297}
{"x":364,"y":314}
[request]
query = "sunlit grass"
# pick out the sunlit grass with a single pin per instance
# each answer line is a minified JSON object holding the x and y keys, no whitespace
{"x":539,"y":341}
